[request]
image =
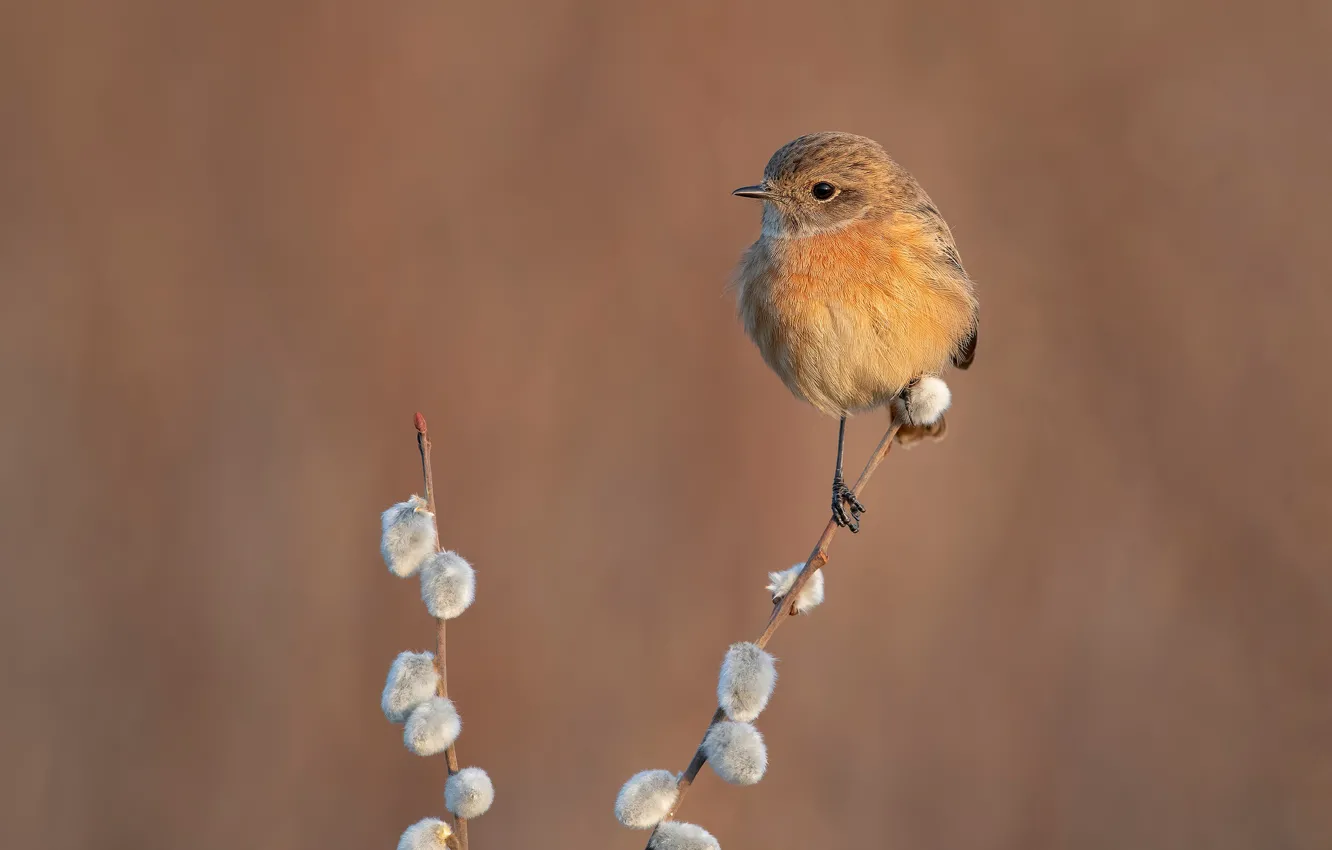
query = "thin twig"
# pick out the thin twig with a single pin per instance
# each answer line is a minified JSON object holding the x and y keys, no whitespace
{"x":451,"y":754}
{"x":781,"y":610}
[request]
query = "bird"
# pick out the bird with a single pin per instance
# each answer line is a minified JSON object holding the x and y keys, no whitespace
{"x":854,"y":292}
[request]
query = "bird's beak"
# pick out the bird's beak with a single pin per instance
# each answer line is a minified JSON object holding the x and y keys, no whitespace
{"x":760,"y":191}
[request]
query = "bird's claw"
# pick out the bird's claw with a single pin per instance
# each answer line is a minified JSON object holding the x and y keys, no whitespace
{"x":846,"y":508}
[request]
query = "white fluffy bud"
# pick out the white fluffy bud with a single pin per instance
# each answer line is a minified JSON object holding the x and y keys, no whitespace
{"x":810,"y":595}
{"x":469,"y":793}
{"x":408,"y":537}
{"x":432,"y":727}
{"x":748,"y":675}
{"x":676,"y":835}
{"x":448,"y":584}
{"x":428,"y":834}
{"x":736,"y":752}
{"x":646,"y":799}
{"x":924,"y":403}
{"x":411,"y":681}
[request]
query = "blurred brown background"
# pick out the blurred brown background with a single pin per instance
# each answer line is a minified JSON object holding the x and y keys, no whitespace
{"x":241,"y":242}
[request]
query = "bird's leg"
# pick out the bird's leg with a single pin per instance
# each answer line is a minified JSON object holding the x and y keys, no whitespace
{"x":846,"y":507}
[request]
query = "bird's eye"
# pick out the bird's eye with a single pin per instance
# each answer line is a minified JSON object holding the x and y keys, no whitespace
{"x":823,"y":190}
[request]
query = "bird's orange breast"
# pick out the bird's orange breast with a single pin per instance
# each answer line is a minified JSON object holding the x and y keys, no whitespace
{"x":847,"y":317}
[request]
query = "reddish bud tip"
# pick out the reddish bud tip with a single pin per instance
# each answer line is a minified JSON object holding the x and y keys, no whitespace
{"x":419,"y":422}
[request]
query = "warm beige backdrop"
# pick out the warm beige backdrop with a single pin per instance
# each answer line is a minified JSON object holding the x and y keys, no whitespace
{"x":241,"y":242}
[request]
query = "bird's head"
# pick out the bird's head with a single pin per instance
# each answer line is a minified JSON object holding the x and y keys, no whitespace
{"x":824,"y":181}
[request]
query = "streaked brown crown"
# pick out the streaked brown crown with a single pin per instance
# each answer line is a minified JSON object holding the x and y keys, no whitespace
{"x":828,"y":152}
{"x":867,"y":182}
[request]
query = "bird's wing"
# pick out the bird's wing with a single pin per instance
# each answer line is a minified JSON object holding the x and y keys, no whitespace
{"x":933,"y":220}
{"x":966,"y":352}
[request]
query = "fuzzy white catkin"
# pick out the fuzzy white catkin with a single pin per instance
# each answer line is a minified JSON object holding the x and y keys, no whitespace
{"x":748,"y":675}
{"x":736,"y":752}
{"x":428,"y":834}
{"x":646,"y":799}
{"x":810,"y":595}
{"x":469,"y":793}
{"x":924,"y":403}
{"x":411,"y":681}
{"x":408,"y":536}
{"x":448,"y":585}
{"x":677,"y":835}
{"x":432,"y":727}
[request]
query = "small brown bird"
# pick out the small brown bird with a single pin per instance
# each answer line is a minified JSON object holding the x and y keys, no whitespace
{"x":854,"y":291}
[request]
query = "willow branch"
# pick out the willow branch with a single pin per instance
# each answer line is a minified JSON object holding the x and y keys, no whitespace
{"x":782,"y":609}
{"x":451,"y":754}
